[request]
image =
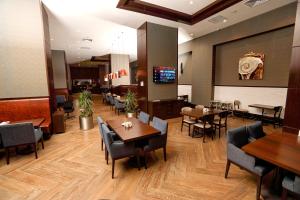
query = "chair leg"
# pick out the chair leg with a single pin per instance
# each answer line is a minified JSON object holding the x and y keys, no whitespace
{"x":189,"y":128}
{"x":219,"y":131}
{"x":7,"y":155}
{"x":145,"y":158}
{"x":227,"y":168}
{"x":101,"y":144}
{"x":259,"y":182}
{"x":35,"y":151}
{"x":138,"y":161}
{"x":106,"y":155}
{"x":284,"y":194}
{"x":113,"y":168}
{"x":181,"y":125}
{"x":165,"y":153}
{"x":42,"y":141}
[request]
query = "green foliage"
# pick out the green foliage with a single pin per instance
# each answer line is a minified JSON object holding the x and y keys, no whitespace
{"x":130,"y":102}
{"x":85,"y":104}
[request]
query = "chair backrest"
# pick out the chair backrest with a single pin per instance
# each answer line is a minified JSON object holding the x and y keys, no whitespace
{"x":108,"y":140}
{"x":111,"y":100}
{"x":238,"y":136}
{"x":236,"y":104}
{"x":208,"y":119}
{"x":201,"y":107}
{"x":100,"y":121}
{"x":107,"y":97}
{"x":186,"y":109}
{"x":17,"y":134}
{"x":144,"y":117}
{"x":297,"y":184}
{"x":278,"y":110}
{"x":161,"y":125}
{"x":223,"y":116}
{"x":60,"y":99}
{"x":256,"y":130}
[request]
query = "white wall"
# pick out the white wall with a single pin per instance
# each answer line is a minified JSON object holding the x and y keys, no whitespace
{"x":120,"y":61}
{"x":22,"y":52}
{"x":59,"y":69}
{"x":185,"y":90}
{"x":252,"y":95}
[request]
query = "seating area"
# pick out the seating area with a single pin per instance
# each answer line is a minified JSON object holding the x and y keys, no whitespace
{"x":149,"y":99}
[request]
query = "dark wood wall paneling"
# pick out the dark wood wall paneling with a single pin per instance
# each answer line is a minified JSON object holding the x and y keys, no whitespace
{"x":292,"y":111}
{"x":84,"y":72}
{"x":142,"y":73}
{"x":165,"y":109}
{"x":48,"y":58}
{"x":123,"y":89}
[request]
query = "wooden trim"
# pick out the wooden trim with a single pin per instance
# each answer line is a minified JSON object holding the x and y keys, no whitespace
{"x":174,"y":15}
{"x":261,"y":86}
{"x":256,"y":34}
{"x":19,"y":98}
{"x":186,"y":84}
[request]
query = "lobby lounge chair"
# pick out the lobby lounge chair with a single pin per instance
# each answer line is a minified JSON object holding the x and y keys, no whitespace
{"x":160,"y":141}
{"x":144,"y":117}
{"x":236,"y":139}
{"x":118,"y":149}
{"x":291,"y":184}
{"x":14,"y":135}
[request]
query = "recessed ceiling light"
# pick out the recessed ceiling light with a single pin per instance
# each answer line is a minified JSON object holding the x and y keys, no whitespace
{"x":51,"y":39}
{"x":191,"y":34}
{"x":225,"y":20}
{"x":191,"y":2}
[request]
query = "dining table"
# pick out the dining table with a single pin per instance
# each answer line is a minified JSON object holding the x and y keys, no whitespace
{"x":36,"y":122}
{"x":200,"y":113}
{"x":281,"y":149}
{"x":138,"y":131}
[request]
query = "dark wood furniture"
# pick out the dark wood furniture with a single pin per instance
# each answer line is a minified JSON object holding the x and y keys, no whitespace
{"x":263,"y":108}
{"x":121,"y":90}
{"x":165,"y":109}
{"x":280,"y":149}
{"x":138,"y":131}
{"x":59,"y":124}
{"x":27,"y":109}
{"x":205,"y":126}
{"x":199,"y":113}
{"x":35,"y":122}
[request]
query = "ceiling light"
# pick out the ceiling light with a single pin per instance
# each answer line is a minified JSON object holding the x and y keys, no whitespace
{"x":225,"y":20}
{"x":191,"y":2}
{"x":191,"y":34}
{"x":51,"y":39}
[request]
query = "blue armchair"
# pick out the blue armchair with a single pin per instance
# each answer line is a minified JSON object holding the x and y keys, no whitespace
{"x":119,"y":106}
{"x":14,"y":135}
{"x":144,"y":117}
{"x":100,"y":121}
{"x":118,"y":149}
{"x":111,"y":101}
{"x":237,"y":138}
{"x":291,"y":183}
{"x":160,"y":141}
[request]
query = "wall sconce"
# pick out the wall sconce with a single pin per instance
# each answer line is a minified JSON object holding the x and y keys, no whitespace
{"x":142,"y":83}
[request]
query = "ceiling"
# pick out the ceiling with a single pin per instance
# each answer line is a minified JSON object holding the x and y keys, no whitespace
{"x":185,"y":6}
{"x":113,"y":30}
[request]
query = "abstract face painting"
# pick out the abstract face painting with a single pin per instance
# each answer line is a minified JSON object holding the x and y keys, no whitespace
{"x":251,"y":66}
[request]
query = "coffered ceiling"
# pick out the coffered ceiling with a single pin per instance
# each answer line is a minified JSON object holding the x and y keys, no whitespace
{"x":86,"y":28}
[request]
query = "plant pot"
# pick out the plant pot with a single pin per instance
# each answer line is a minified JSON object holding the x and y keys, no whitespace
{"x":86,"y":123}
{"x":130,"y":115}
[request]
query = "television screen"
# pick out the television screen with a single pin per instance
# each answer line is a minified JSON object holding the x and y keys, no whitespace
{"x":163,"y":74}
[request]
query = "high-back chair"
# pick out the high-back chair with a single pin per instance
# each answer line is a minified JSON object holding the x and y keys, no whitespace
{"x":275,"y":117}
{"x":238,"y":111}
{"x":221,"y":121}
{"x":111,"y":101}
{"x":100,"y":121}
{"x":187,"y":121}
{"x":118,"y":149}
{"x":119,"y":106}
{"x":14,"y":135}
{"x":201,"y":107}
{"x":236,"y":139}
{"x":205,"y":126}
{"x":144,"y":117}
{"x":159,"y":141}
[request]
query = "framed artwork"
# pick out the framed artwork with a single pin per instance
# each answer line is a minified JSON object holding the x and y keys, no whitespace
{"x":251,"y":66}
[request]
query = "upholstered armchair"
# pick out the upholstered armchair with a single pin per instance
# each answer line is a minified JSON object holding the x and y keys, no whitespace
{"x":237,"y":138}
{"x":100,"y":121}
{"x":118,"y":149}
{"x":111,"y":101}
{"x":291,"y":184}
{"x":159,"y":141}
{"x":144,"y":117}
{"x":14,"y":135}
{"x":255,"y":131}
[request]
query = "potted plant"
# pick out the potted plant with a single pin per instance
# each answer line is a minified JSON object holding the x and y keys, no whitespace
{"x":86,"y":110}
{"x":130,"y":103}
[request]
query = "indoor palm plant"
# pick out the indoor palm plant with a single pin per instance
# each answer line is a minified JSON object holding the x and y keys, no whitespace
{"x":130,"y":103}
{"x":86,"y":110}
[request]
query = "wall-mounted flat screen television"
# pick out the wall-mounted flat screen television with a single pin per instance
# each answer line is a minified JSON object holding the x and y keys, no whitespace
{"x":163,"y":74}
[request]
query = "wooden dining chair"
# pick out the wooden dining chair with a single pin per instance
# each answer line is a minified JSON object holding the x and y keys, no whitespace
{"x":221,"y":121}
{"x":186,"y":120}
{"x":205,"y":126}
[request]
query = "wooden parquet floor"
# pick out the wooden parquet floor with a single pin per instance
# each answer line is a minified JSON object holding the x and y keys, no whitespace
{"x":72,"y":166}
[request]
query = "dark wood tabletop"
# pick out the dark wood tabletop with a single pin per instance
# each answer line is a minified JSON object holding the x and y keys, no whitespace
{"x":262,"y":106}
{"x":199,"y":113}
{"x":138,"y":131}
{"x":36,"y":122}
{"x":280,"y":149}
